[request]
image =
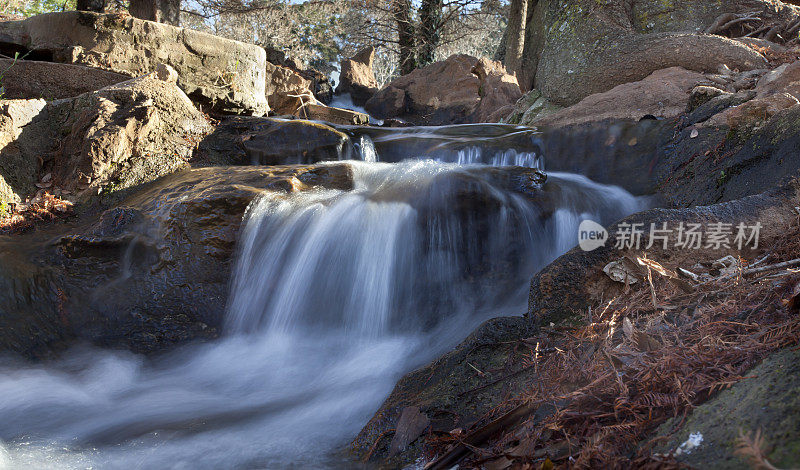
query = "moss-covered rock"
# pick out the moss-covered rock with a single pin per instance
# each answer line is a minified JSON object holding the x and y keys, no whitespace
{"x":766,"y":400}
{"x":575,"y":48}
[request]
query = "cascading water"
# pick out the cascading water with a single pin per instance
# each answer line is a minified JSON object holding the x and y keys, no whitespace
{"x":335,"y":295}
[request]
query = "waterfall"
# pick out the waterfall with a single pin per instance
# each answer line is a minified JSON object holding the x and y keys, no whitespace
{"x":335,"y":294}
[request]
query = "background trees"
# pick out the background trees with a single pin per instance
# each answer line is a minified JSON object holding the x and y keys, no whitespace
{"x":319,"y":33}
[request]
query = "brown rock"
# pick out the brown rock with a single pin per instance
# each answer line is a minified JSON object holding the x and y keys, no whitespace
{"x":664,"y":93}
{"x":446,"y":92}
{"x":357,"y":77}
{"x":754,"y":112}
{"x":27,"y":79}
{"x":333,"y":115}
{"x":286,"y":90}
{"x":17,"y":169}
{"x":320,"y":85}
{"x":784,"y":79}
{"x":270,"y":141}
{"x":115,"y":138}
{"x":498,"y":91}
{"x":410,"y":426}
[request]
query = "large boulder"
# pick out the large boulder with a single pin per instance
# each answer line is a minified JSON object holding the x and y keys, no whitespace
{"x":109,"y":140}
{"x":461,"y":89}
{"x":270,"y":141}
{"x":17,"y":168}
{"x":357,"y":77}
{"x":224,"y":75}
{"x":498,"y":91}
{"x":320,"y":85}
{"x":27,"y":79}
{"x":664,"y":93}
{"x":62,"y":284}
{"x":286,"y":90}
{"x":575,"y":48}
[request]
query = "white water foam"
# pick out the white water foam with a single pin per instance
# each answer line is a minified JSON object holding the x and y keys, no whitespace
{"x":336,"y":294}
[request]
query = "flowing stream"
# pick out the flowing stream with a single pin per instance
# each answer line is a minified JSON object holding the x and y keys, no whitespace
{"x":335,"y":295}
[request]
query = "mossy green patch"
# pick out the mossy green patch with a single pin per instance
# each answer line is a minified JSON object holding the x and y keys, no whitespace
{"x":767,"y":400}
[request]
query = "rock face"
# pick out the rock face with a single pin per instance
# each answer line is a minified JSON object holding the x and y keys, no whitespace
{"x":575,"y":48}
{"x":268,"y":141}
{"x":320,"y":85}
{"x":100,"y":142}
{"x":448,"y":391}
{"x":28,"y":79}
{"x":17,"y":168}
{"x":576,"y":279}
{"x":768,"y":404}
{"x":225,"y":75}
{"x":357,"y":77}
{"x":498,"y":91}
{"x":333,"y":115}
{"x":461,"y":89}
{"x":286,"y":90}
{"x":181,"y":232}
{"x":115,"y":138}
{"x":664,"y":93}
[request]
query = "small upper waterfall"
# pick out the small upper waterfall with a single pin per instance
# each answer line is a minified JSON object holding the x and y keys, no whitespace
{"x":413,"y":244}
{"x":335,"y":295}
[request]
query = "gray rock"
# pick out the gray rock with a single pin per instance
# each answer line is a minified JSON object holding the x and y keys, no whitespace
{"x":222,"y":74}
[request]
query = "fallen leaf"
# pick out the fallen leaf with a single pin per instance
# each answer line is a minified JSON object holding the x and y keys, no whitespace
{"x":627,"y":328}
{"x":619,"y":271}
{"x":525,"y":448}
{"x":498,"y":464}
{"x":410,"y":426}
{"x":725,"y":266}
{"x":794,"y":301}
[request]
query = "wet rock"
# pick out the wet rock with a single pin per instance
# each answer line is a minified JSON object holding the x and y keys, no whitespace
{"x":225,"y":75}
{"x":449,"y":391}
{"x":461,"y":89}
{"x":269,"y":141}
{"x":357,"y":77}
{"x":333,"y":115}
{"x":563,"y":290}
{"x":28,"y":79}
{"x":146,"y":275}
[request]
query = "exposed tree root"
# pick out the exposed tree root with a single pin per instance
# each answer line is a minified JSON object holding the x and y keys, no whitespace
{"x":752,"y":25}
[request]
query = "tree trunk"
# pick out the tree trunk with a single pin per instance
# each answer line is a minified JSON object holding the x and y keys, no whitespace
{"x":91,"y":5}
{"x":515,"y":36}
{"x":430,"y":21}
{"x":401,"y":10}
{"x":161,"y":11}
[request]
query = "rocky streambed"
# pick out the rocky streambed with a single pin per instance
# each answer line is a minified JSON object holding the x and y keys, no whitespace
{"x":251,"y":289}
